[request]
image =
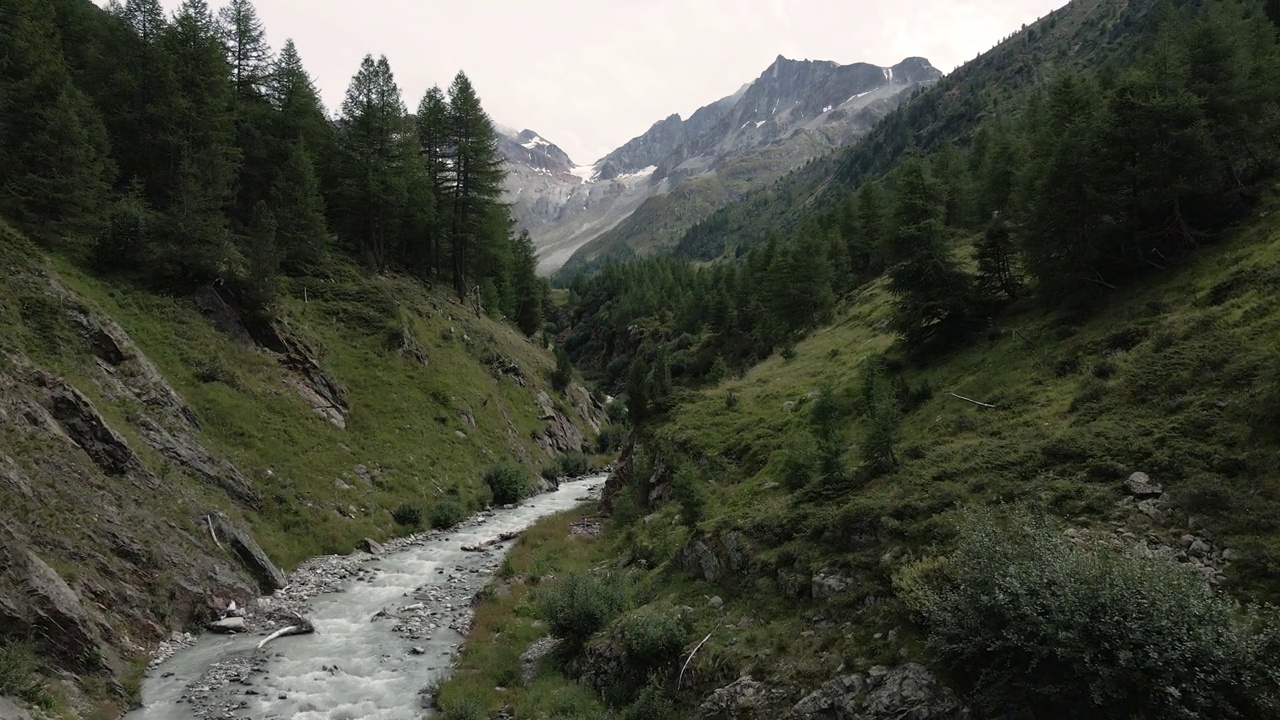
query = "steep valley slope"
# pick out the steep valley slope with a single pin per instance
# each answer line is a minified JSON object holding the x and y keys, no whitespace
{"x":161,"y":457}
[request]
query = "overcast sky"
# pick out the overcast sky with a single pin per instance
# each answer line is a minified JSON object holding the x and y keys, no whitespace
{"x":591,"y":74}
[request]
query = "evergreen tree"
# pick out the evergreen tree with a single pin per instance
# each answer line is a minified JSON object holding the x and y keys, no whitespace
{"x":54,"y":171}
{"x":433,"y":137}
{"x":380,"y":198}
{"x":931,"y":290}
{"x":196,"y":245}
{"x":530,"y":291}
{"x":145,"y":17}
{"x":476,"y":181}
{"x":246,"y":45}
{"x":872,"y":235}
{"x":995,"y":253}
{"x":300,"y":133}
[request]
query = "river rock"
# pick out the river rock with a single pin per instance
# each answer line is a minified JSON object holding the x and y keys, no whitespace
{"x":1140,"y":486}
{"x":373,"y":547}
{"x":228,"y":625}
{"x":906,"y":691}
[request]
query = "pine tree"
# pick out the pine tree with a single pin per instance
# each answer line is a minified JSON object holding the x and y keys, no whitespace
{"x":197,"y":245}
{"x":869,"y":242}
{"x":476,"y":181}
{"x":54,"y":171}
{"x":931,"y":291}
{"x":530,"y":291}
{"x":995,"y":253}
{"x":300,"y":134}
{"x":246,"y":45}
{"x":145,"y":17}
{"x":433,"y":137}
{"x":381,"y":196}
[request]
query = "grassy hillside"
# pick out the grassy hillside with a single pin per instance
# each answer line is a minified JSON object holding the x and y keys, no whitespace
{"x":434,"y":394}
{"x":1178,"y":378}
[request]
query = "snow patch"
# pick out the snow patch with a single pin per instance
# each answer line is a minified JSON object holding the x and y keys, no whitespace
{"x":586,"y":172}
{"x":758,"y":124}
{"x":827,"y":108}
{"x":639,"y":173}
{"x":535,"y":142}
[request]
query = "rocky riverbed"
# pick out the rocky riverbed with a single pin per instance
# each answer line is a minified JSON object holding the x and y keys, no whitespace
{"x":388,"y":623}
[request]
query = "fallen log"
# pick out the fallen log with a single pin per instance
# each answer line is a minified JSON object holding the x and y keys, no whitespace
{"x":300,"y":626}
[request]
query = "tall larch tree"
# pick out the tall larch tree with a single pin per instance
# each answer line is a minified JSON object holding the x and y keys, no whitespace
{"x":196,"y":245}
{"x":433,"y":137}
{"x":381,"y":199}
{"x":302,"y":135}
{"x":477,"y":179}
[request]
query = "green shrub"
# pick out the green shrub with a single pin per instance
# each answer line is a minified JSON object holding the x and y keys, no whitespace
{"x":799,"y":463}
{"x":508,"y":481}
{"x":408,"y":514}
{"x":20,"y":673}
{"x":689,"y":491}
{"x":612,"y":437}
{"x":651,"y":704}
{"x":652,"y":638}
{"x":574,"y":464}
{"x":1039,"y":627}
{"x":581,"y":605}
{"x":447,"y":514}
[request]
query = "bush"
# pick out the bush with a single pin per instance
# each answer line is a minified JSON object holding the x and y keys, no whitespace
{"x":574,"y":464}
{"x":688,"y":490}
{"x":508,"y":481}
{"x":563,"y":374}
{"x":1039,"y":627}
{"x":447,"y":514}
{"x":652,"y":638}
{"x":408,"y":514}
{"x":580,"y":606}
{"x":19,"y":673}
{"x":611,"y":438}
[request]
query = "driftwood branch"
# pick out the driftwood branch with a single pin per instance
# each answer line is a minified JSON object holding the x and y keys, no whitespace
{"x":971,"y":400}
{"x":301,"y":626}
{"x":695,"y":652}
{"x":213,"y":534}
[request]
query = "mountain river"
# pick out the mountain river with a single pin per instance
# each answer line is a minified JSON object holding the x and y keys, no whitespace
{"x":385,"y":629}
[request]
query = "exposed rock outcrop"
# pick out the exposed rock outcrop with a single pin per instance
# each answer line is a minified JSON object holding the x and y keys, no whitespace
{"x":34,"y":599}
{"x":82,"y":423}
{"x":743,"y":699}
{"x":183,"y":449}
{"x":906,"y":691}
{"x":252,"y":555}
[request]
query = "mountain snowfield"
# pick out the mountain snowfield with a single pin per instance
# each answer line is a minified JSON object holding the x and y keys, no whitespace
{"x":795,"y":111}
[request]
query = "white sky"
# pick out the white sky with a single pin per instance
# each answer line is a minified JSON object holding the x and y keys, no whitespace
{"x":591,"y":74}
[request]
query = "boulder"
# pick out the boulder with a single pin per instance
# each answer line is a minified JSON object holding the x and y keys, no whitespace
{"x":737,"y":550}
{"x":373,"y":547}
{"x":10,"y":711}
{"x":701,"y":560}
{"x":251,"y":555}
{"x":1141,"y":486}
{"x":741,"y":699}
{"x":228,"y":625}
{"x":824,"y":586}
{"x":906,"y":691}
{"x":716,"y":603}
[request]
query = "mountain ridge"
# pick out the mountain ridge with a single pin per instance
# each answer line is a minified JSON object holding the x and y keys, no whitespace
{"x":793,"y":111}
